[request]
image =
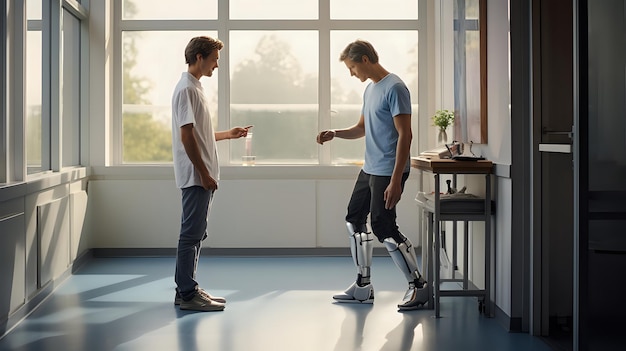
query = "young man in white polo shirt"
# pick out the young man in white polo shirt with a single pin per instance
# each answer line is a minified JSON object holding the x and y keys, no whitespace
{"x":196,"y":167}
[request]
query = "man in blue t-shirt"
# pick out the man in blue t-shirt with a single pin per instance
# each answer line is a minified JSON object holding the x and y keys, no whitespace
{"x":386,"y":124}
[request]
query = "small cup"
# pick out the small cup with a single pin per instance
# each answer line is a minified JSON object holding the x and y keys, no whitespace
{"x":248,"y":160}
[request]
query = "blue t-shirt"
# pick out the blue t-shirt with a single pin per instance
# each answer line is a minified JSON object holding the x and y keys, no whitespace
{"x":382,"y":101}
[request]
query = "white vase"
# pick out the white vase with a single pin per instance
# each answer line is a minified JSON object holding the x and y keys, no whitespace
{"x":443,"y":136}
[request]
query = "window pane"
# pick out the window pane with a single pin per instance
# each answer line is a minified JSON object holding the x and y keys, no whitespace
{"x":273,"y":85}
{"x":149,"y":76}
{"x":472,"y":9}
{"x":469,"y":10}
{"x":466,"y":68}
{"x":472,"y":82}
{"x":373,"y":9}
{"x":273,"y":9}
{"x":397,"y":52}
{"x":167,"y":9}
{"x":33,"y":102}
{"x":70,"y":88}
{"x":33,"y":9}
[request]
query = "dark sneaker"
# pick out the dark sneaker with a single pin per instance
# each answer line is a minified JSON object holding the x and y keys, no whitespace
{"x":415,"y":297}
{"x":356,"y":294}
{"x":214,"y":298}
{"x":202,"y":303}
{"x":178,"y":299}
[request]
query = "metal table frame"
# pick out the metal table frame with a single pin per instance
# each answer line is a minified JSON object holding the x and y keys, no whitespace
{"x":435,"y":215}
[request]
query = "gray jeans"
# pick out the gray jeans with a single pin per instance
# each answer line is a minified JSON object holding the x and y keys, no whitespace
{"x":196,"y":203}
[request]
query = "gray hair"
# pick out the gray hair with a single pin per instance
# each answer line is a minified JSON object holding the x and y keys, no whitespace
{"x":357,"y":49}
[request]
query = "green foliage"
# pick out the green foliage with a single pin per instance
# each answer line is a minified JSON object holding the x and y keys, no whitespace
{"x":443,"y":118}
{"x":145,"y":140}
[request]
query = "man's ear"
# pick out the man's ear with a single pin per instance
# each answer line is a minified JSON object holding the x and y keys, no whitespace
{"x":365,"y":59}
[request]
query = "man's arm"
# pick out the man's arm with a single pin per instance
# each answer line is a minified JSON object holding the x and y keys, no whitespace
{"x":234,"y":133}
{"x":405,"y":136}
{"x":192,"y":149}
{"x":354,"y":132}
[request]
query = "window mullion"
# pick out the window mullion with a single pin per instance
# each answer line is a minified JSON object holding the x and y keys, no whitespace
{"x":115,"y":149}
{"x":51,"y":124}
{"x":85,"y":78}
{"x":4,"y":145}
{"x":324,"y":112}
{"x":223,"y":84}
{"x":76,"y":9}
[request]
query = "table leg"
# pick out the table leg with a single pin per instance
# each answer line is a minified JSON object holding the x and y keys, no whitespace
{"x":437,"y":262}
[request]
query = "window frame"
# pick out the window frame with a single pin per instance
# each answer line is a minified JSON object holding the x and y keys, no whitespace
{"x":4,"y":147}
{"x":78,"y":12}
{"x":52,"y":118}
{"x":323,"y":25}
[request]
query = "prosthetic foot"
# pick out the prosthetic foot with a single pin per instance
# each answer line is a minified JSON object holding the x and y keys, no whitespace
{"x":415,"y":297}
{"x":356,"y":294}
{"x":361,"y":246}
{"x":403,"y":255}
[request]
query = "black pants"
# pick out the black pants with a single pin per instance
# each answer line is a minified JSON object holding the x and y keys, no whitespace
{"x":368,"y":198}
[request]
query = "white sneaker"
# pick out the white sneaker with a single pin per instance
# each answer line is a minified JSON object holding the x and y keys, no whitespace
{"x":356,"y":294}
{"x":415,"y":297}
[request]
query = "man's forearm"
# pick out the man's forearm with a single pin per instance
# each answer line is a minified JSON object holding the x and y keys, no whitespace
{"x":222,"y":135}
{"x":193,"y":151}
{"x":403,"y":150}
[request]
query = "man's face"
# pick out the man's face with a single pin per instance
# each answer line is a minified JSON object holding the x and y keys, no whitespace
{"x":357,"y":69}
{"x":208,"y":64}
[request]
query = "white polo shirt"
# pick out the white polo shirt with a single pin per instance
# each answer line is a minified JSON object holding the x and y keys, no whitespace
{"x":190,"y":105}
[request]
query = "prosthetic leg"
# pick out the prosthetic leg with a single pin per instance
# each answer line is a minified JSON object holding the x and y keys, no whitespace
{"x":361,"y":245}
{"x":404,"y":257}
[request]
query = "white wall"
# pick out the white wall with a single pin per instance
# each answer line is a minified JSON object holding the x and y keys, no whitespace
{"x":41,"y":236}
{"x":498,"y":148}
{"x":246,"y":213}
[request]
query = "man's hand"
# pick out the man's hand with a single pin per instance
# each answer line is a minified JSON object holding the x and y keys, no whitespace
{"x":238,"y":132}
{"x":326,"y":135}
{"x":392,"y":195}
{"x":208,"y":183}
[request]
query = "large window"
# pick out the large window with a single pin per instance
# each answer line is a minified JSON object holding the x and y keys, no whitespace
{"x":279,"y":71}
{"x":53,"y":85}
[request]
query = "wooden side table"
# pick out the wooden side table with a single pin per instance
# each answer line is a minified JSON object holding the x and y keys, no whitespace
{"x":438,"y":211}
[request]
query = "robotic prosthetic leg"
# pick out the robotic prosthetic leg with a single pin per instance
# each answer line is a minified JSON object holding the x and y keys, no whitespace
{"x":361,"y":245}
{"x":404,"y":257}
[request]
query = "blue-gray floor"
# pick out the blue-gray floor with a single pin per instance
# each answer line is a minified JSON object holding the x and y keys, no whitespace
{"x":274,"y":304}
